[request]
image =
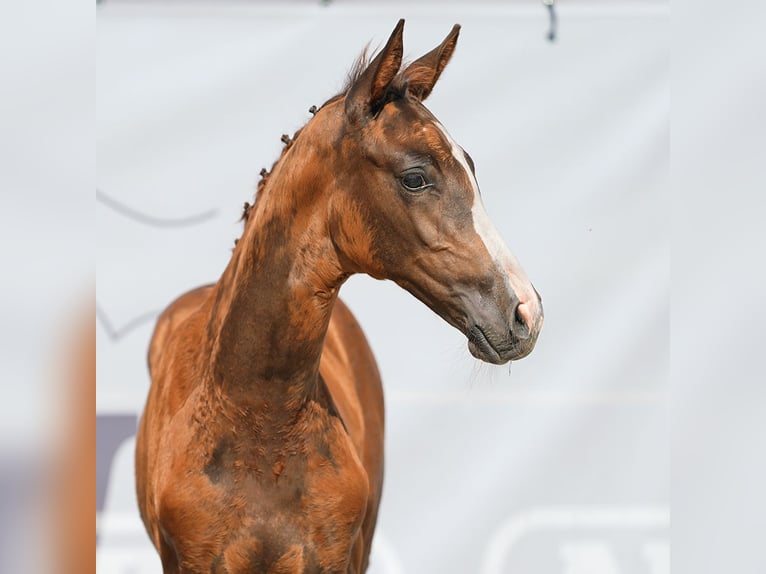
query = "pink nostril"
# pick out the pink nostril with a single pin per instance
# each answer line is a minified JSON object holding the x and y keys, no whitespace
{"x":522,"y":324}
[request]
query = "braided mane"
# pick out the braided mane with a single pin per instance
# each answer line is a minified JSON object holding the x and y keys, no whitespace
{"x":396,"y":90}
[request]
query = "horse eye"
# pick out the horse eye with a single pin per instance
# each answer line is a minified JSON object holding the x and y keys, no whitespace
{"x":414,"y":182}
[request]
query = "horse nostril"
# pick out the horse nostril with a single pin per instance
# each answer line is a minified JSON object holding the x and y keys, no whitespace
{"x":521,"y":321}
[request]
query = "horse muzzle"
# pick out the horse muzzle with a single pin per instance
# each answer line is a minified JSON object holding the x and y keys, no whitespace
{"x":498,"y":338}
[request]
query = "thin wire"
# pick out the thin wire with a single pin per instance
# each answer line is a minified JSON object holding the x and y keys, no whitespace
{"x":152,"y":220}
{"x":114,"y":333}
{"x":552,"y":19}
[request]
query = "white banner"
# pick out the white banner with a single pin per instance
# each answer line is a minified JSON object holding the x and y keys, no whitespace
{"x":557,"y":465}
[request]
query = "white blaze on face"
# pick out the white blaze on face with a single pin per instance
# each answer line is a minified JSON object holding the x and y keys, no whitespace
{"x":508,"y":265}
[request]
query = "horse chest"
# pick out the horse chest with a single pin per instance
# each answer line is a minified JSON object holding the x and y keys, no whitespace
{"x":297,"y":508}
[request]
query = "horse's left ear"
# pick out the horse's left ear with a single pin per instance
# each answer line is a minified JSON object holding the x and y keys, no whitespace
{"x":422,"y":74}
{"x":370,"y":88}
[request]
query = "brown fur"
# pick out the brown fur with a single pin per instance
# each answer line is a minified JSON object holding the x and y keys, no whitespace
{"x":261,"y":445}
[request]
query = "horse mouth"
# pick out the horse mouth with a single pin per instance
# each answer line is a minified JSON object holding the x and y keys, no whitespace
{"x":482,"y":347}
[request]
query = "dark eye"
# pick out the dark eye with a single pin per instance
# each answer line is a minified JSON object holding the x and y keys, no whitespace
{"x":414,"y":182}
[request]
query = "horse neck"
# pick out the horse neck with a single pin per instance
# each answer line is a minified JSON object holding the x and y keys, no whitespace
{"x":273,"y":303}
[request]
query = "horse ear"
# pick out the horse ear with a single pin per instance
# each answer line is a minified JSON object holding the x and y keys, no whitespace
{"x":369,"y":89}
{"x":422,"y":74}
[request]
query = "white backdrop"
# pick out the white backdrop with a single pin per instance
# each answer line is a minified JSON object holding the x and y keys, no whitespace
{"x":558,"y":465}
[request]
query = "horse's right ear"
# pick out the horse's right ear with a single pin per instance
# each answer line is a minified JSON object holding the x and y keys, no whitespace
{"x":423,"y":73}
{"x":369,"y":89}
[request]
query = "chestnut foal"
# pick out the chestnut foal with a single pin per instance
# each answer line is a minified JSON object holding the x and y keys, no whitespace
{"x":261,"y":445}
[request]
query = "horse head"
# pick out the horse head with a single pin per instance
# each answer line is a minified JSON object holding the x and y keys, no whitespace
{"x":406,"y":205}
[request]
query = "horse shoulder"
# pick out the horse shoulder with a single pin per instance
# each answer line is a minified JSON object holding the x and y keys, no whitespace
{"x":173,"y":316}
{"x":173,"y":377}
{"x":351,"y":375}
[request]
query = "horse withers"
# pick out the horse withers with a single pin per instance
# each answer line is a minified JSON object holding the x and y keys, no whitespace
{"x":261,"y":445}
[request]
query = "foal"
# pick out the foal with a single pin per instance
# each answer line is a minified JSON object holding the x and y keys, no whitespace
{"x":261,"y":444}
